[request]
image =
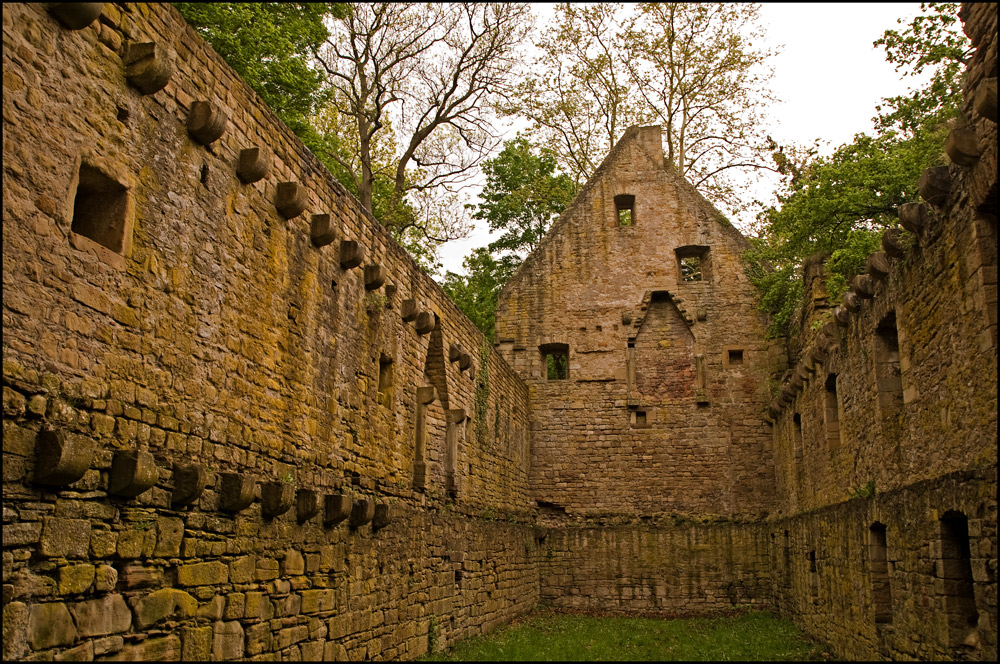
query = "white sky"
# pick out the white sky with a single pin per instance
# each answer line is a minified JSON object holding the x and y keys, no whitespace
{"x":828,"y":76}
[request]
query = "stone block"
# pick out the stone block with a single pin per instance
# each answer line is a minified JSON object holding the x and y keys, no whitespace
{"x":935,"y":185}
{"x":892,"y":243}
{"x":206,"y":122}
{"x":50,"y":625}
{"x":336,"y":508}
{"x":425,"y":323}
{"x":100,"y":617}
{"x":408,"y":310}
{"x":382,"y":516}
{"x":985,"y":100}
{"x":352,"y":254}
{"x":202,"y":574}
{"x":362,"y":512}
{"x":426,"y":394}
{"x":21,"y":534}
{"x":60,"y":458}
{"x":190,"y":480}
{"x":913,"y":217}
{"x":293,"y":563}
{"x":212,"y":609}
{"x":65,"y":538}
{"x":105,"y":578}
{"x":15,"y":630}
{"x":276,"y":498}
{"x":133,"y":472}
{"x":374,"y":276}
{"x":464,"y":361}
{"x":138,"y":575}
{"x":321,"y":230}
{"x":864,"y":286}
{"x":75,"y":15}
{"x":306,"y":505}
{"x":236,"y":491}
{"x":878,"y":266}
{"x":75,"y":579}
{"x":290,"y":199}
{"x":196,"y":643}
{"x":148,"y":66}
{"x":253,"y":164}
{"x":227,"y":641}
{"x":962,"y":146}
{"x":241,"y":570}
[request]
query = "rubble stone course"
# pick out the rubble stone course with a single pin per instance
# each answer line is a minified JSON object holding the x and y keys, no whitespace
{"x":222,"y":441}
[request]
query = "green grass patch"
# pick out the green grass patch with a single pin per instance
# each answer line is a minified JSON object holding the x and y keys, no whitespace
{"x":553,"y":637}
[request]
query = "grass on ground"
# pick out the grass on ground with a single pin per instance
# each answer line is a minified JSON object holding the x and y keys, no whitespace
{"x":551,"y":636}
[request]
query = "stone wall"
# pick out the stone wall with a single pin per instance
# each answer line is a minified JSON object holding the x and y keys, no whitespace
{"x":238,"y":419}
{"x":671,"y":568}
{"x":239,"y":422}
{"x":667,"y":376}
{"x":901,"y":595}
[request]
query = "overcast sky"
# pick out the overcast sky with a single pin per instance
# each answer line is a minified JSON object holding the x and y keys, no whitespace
{"x":828,"y":76}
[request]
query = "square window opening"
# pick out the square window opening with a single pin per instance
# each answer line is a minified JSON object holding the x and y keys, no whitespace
{"x":625,"y":209}
{"x":99,"y":209}
{"x":693,"y":264}
{"x":735,"y":357}
{"x":691,"y":268}
{"x":556,"y":360}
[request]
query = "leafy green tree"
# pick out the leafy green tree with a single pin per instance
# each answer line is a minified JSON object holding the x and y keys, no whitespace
{"x":692,"y":67}
{"x":476,"y":293}
{"x":840,"y":204}
{"x":431,"y":72}
{"x":270,"y":45}
{"x":522,"y":196}
{"x":932,"y":41}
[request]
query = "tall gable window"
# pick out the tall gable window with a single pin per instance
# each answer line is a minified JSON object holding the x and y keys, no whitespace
{"x":625,"y":209}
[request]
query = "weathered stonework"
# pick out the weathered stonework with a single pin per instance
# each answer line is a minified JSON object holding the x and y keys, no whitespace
{"x":222,"y":441}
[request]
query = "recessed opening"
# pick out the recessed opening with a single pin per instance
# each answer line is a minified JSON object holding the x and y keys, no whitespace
{"x":99,"y":209}
{"x":385,"y":380}
{"x":555,"y":357}
{"x":691,"y":268}
{"x":735,"y":357}
{"x":832,"y":413}
{"x":797,"y":435}
{"x":122,"y":115}
{"x":625,"y":209}
{"x":879,"y":562}
{"x":693,"y":263}
{"x":638,"y":418}
{"x":887,"y":372}
{"x":204,"y":174}
{"x":954,"y":568}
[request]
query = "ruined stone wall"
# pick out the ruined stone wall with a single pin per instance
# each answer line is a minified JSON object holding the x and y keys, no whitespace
{"x":894,"y":394}
{"x":661,"y":410}
{"x":900,"y":595}
{"x":900,"y":384}
{"x":674,"y":568}
{"x":238,"y":419}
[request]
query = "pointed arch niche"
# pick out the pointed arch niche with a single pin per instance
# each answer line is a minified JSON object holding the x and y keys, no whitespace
{"x":662,"y":353}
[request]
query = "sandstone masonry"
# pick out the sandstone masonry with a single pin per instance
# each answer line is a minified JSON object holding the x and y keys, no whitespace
{"x":240,"y":423}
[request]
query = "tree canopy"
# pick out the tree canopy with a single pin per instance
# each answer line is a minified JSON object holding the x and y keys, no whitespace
{"x":692,"y":67}
{"x":522,"y":196}
{"x":840,"y":204}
